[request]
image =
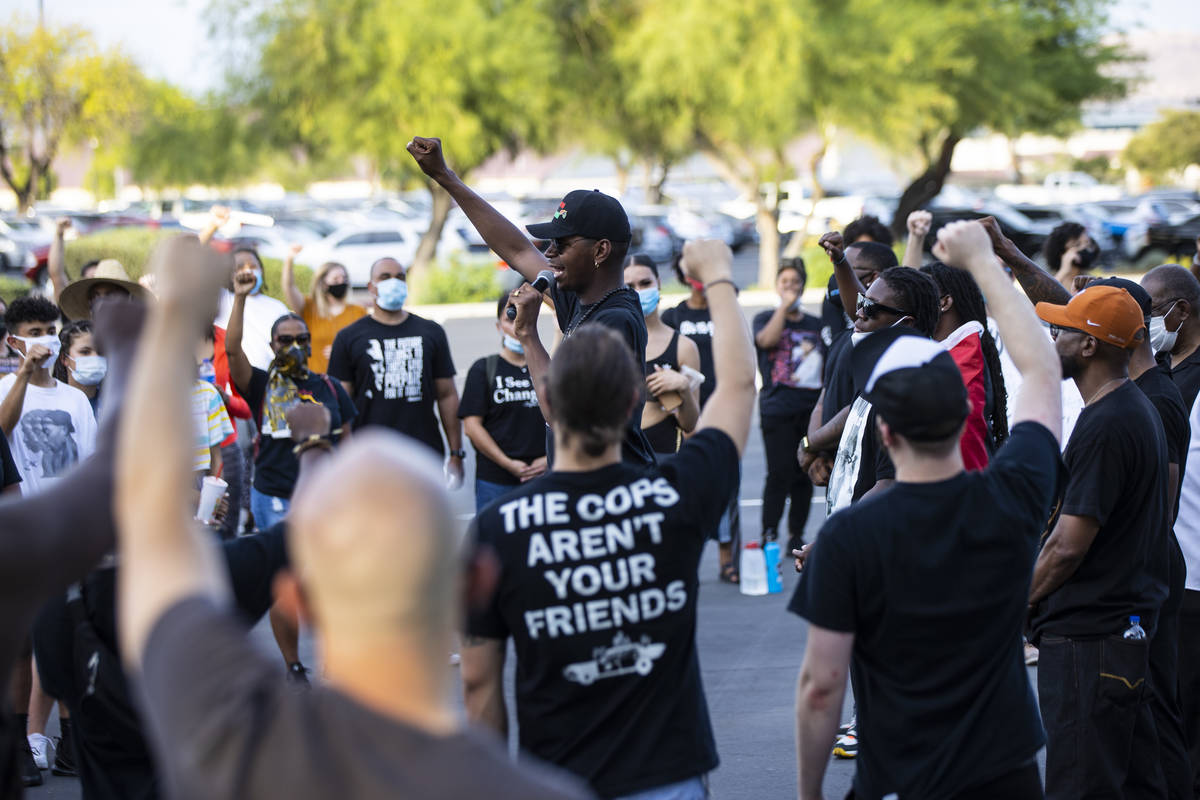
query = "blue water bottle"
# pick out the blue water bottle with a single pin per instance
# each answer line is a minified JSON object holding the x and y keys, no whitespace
{"x":771,"y":554}
{"x":1135,"y":632}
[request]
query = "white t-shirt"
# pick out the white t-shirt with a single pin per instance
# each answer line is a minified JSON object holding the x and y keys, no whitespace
{"x":1187,"y":524}
{"x":57,"y":430}
{"x":261,"y":313}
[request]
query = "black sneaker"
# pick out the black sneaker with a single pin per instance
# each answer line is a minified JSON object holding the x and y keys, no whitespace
{"x":298,"y":673}
{"x":64,"y":753}
{"x":30,"y":774}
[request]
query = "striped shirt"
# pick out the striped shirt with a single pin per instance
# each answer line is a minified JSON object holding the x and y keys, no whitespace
{"x":210,"y":423}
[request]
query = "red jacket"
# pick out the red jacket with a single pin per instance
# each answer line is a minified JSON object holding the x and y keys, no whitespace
{"x":966,"y":348}
{"x":234,"y":404}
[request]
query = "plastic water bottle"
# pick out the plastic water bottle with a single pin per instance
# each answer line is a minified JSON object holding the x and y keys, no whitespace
{"x":752,"y":571}
{"x":207,"y":371}
{"x":771,"y":559}
{"x":1135,"y":632}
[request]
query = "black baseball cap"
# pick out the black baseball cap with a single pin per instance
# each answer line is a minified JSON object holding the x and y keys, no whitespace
{"x":1140,"y":295}
{"x":913,"y":383}
{"x":591,"y":214}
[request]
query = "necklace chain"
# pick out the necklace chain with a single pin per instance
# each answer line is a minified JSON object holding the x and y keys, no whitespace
{"x":590,"y":309}
{"x":1100,"y":391}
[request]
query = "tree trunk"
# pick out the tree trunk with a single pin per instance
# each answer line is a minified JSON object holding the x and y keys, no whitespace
{"x":1015,"y":158}
{"x":926,"y":186}
{"x":795,"y":247}
{"x":654,"y":192}
{"x":427,"y":249}
{"x":766,"y":220}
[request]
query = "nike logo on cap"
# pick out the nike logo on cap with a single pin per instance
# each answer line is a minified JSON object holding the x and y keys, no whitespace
{"x":1094,"y":324}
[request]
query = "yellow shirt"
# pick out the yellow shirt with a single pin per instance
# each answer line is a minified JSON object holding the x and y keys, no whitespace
{"x":323,"y":329}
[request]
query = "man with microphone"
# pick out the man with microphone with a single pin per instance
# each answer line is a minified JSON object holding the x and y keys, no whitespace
{"x":589,"y":236}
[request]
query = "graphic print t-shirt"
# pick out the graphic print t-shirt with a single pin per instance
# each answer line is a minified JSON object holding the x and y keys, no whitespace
{"x":696,"y":324}
{"x":56,"y":431}
{"x":792,"y":370}
{"x":511,"y":416}
{"x":393,"y":369}
{"x":598,"y":591}
{"x":276,"y":468}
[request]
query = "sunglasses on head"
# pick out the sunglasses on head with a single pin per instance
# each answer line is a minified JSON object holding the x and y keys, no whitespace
{"x":284,"y":340}
{"x":871,"y":309}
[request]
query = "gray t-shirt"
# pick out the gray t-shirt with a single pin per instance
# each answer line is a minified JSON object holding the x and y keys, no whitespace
{"x":224,"y":723}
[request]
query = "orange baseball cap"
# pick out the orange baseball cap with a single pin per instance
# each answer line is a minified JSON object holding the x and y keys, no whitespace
{"x":1106,"y":312}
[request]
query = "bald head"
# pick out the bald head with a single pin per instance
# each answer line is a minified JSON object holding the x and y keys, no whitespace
{"x":386,"y":267}
{"x":1173,"y":281}
{"x":373,"y":541}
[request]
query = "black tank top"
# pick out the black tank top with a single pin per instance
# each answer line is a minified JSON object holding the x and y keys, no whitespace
{"x":665,"y":436}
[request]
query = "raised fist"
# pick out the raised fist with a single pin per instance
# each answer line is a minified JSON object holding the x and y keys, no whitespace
{"x":706,"y":260}
{"x":244,"y":282}
{"x":294,"y":250}
{"x":833,"y":246}
{"x":189,"y":275}
{"x":919,"y":222}
{"x":220,"y":215}
{"x":961,"y":244}
{"x":428,"y":155}
{"x":308,"y":419}
{"x":61,"y":225}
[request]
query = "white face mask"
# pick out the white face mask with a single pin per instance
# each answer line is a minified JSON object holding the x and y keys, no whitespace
{"x":49,"y":341}
{"x":858,"y":336}
{"x":90,"y":370}
{"x":1161,"y":339}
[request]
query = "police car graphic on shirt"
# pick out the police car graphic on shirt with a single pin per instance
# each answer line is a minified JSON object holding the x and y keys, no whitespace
{"x":623,"y":657}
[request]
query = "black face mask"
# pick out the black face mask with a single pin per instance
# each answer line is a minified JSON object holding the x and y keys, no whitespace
{"x":1085,"y":258}
{"x":338,"y":290}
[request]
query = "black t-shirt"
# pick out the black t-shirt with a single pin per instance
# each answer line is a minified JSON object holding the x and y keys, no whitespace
{"x":224,"y":723}
{"x":511,"y":416}
{"x":622,"y":312}
{"x":1164,"y":395}
{"x":275,"y":468}
{"x":598,"y":591}
{"x":1117,"y":474}
{"x":393,"y":369}
{"x":793,"y":369}
{"x":932,"y":579}
{"x":696,"y":324}
{"x":839,"y":376}
{"x":9,"y":474}
{"x":1186,"y":376}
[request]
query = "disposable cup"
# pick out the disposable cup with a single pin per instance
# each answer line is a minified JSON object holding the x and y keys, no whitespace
{"x":211,"y":491}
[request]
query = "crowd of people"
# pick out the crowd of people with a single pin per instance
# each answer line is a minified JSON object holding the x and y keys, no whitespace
{"x":1004,"y":452}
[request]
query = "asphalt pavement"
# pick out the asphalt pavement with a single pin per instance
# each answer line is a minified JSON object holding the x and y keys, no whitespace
{"x":750,"y":647}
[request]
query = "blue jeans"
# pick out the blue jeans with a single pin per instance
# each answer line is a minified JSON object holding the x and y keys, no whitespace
{"x":267,"y":510}
{"x":486,"y":492}
{"x":691,"y":789}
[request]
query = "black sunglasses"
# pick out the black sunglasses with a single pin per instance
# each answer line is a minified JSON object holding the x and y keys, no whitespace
{"x":1055,"y":330}
{"x":284,"y":340}
{"x":870,"y":309}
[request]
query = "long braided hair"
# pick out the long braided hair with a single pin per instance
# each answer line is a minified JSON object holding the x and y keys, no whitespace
{"x":917,"y":294}
{"x":968,"y":300}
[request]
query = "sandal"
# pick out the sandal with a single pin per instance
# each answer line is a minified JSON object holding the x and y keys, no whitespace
{"x":729,"y":573}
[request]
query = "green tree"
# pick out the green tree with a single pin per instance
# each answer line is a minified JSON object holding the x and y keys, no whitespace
{"x":335,"y":80}
{"x":1170,"y":143}
{"x":1010,"y":67}
{"x":56,"y":88}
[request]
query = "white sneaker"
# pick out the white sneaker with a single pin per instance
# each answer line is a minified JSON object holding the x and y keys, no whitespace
{"x":41,"y":747}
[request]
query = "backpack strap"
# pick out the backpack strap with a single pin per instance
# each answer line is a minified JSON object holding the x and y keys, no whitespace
{"x":492,"y":364}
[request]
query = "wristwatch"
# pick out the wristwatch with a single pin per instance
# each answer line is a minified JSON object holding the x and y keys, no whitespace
{"x":458,"y":453}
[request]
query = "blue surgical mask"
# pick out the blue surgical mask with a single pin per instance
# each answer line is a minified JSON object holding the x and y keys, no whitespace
{"x":258,"y":282}
{"x":90,"y":370}
{"x":391,"y":294}
{"x":514,"y":345}
{"x":649,"y":300}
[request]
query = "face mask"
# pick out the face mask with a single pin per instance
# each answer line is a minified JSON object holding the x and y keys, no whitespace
{"x":795,"y":306}
{"x":649,"y":300}
{"x":292,"y":362}
{"x":50,"y":342}
{"x":391,"y":294}
{"x":514,"y":345}
{"x":90,"y":370}
{"x":1161,"y":339}
{"x":338,"y":290}
{"x":858,"y":336}
{"x":258,"y":282}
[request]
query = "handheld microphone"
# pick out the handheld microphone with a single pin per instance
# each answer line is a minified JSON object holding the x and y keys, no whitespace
{"x":541,"y":283}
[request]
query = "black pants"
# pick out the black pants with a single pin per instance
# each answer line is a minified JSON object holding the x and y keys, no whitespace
{"x":1189,"y":679}
{"x":1096,"y":707}
{"x":785,"y":479}
{"x":1164,"y":683}
{"x":1023,"y":783}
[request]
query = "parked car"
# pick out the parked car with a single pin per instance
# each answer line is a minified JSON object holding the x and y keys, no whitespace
{"x":360,"y":246}
{"x":1027,"y":234}
{"x":1176,"y":239}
